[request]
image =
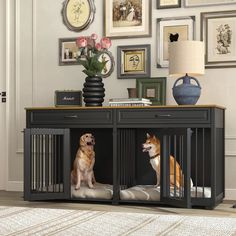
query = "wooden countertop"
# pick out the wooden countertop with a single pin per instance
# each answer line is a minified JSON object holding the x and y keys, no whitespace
{"x":124,"y":107}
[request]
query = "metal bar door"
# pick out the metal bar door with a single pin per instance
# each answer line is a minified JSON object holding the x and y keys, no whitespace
{"x":175,"y":167}
{"x":46,"y":164}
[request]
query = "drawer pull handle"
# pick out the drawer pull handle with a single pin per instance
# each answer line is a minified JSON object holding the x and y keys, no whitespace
{"x":71,"y":117}
{"x":166,"y":115}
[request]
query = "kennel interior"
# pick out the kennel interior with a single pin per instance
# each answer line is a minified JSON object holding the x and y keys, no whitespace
{"x":190,"y":149}
{"x":103,"y":167}
{"x":49,"y":159}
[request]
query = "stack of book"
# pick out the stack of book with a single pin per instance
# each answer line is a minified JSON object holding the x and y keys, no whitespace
{"x":115,"y":102}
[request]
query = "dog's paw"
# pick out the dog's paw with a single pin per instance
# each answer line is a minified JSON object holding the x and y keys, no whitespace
{"x":91,"y":186}
{"x":77,"y":187}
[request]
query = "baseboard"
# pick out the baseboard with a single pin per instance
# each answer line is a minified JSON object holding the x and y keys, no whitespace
{"x":230,"y":194}
{"x":15,"y":186}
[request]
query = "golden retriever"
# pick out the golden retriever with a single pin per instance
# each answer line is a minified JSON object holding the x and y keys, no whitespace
{"x":84,"y":162}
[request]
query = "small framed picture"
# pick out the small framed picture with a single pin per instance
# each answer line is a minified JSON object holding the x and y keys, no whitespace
{"x":78,"y":14}
{"x":171,"y":30}
{"x":165,"y":4}
{"x":133,"y":61}
{"x":218,"y":30}
{"x":153,"y":89}
{"x":109,"y":67}
{"x":126,"y":19}
{"x":201,"y":3}
{"x":68,"y":51}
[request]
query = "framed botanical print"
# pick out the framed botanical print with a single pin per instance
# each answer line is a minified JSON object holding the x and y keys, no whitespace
{"x":198,"y":3}
{"x":164,"y":4}
{"x":218,"y":31}
{"x":170,"y":30}
{"x":133,"y":61}
{"x":153,"y":89}
{"x":68,"y":51}
{"x":126,"y":19}
{"x":109,"y":67}
{"x":78,"y":14}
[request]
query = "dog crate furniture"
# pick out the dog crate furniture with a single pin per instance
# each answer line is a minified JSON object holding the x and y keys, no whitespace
{"x":193,"y":135}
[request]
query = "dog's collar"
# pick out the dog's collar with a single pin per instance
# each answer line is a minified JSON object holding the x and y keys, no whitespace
{"x":152,"y":157}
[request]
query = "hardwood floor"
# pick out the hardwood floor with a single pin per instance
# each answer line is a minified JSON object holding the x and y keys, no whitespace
{"x":16,"y":199}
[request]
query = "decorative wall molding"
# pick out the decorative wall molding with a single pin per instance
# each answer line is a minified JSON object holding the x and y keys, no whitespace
{"x":230,"y":137}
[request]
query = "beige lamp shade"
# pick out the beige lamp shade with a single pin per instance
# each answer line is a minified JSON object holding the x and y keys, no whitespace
{"x":186,"y":57}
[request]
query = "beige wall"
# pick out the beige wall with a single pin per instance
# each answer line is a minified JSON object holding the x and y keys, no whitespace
{"x":38,"y":74}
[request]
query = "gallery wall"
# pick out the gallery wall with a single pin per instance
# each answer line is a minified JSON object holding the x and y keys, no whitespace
{"x":38,"y":75}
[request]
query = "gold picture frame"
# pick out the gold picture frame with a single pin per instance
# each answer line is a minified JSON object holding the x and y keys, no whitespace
{"x":133,"y":61}
{"x":127,"y":19}
{"x":78,"y":14}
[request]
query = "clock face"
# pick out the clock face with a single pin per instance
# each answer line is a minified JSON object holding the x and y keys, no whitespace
{"x":78,"y":14}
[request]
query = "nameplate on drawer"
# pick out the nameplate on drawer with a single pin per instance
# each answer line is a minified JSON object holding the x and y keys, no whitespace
{"x":68,"y":98}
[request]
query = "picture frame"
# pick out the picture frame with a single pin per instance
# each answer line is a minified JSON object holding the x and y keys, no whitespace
{"x":201,"y":3}
{"x":109,"y":67}
{"x":169,"y":30}
{"x":218,"y":30}
{"x":153,"y":89}
{"x":68,"y":52}
{"x":78,"y":15}
{"x":165,"y":4}
{"x":127,"y":20}
{"x":133,"y":61}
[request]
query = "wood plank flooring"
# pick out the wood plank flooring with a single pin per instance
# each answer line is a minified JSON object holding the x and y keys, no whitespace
{"x":16,"y":199}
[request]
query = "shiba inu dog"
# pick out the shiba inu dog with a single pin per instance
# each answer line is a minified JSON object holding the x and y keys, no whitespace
{"x":84,"y":162}
{"x":152,"y":146}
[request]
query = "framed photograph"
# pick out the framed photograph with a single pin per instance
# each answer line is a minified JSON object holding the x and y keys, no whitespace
{"x":218,"y":31}
{"x":68,"y":52}
{"x":200,"y":3}
{"x":165,"y":4}
{"x":133,"y":61}
{"x":109,"y":67}
{"x":126,"y":19}
{"x":78,"y":14}
{"x":171,"y":30}
{"x":153,"y":89}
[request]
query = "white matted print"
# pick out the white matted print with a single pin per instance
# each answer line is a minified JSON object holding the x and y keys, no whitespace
{"x":196,"y":3}
{"x":127,"y":18}
{"x":170,"y":30}
{"x":219,"y":35}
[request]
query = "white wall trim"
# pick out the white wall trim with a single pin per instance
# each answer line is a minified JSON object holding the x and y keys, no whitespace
{"x":230,"y":137}
{"x":232,"y":154}
{"x":16,"y":186}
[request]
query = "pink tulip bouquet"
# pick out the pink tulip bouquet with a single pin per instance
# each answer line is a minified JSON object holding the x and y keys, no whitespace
{"x":89,"y":53}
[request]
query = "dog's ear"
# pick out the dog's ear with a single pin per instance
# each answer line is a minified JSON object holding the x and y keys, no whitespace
{"x":148,"y":135}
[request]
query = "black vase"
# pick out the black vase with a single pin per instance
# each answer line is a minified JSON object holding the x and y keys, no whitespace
{"x":93,"y":91}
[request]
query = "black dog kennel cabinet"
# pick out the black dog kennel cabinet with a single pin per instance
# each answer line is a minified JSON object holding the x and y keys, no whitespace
{"x":193,"y":135}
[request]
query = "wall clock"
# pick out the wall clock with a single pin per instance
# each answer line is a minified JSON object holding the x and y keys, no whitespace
{"x":78,"y":14}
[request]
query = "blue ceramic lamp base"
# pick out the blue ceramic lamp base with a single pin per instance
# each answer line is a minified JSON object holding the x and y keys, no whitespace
{"x":186,"y":93}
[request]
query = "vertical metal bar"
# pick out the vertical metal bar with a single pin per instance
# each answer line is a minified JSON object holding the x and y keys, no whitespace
{"x":196,"y":167}
{"x":42,"y":156}
{"x":175,"y":173}
{"x":47,"y":162}
{"x":168,"y":164}
{"x":183,"y":164}
{"x":52,"y":164}
{"x":59,"y":162}
{"x":32,"y":157}
{"x":203,"y":162}
{"x":37,"y":162}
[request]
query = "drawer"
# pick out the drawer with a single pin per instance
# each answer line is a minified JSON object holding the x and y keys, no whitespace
{"x":68,"y":117}
{"x":147,"y":116}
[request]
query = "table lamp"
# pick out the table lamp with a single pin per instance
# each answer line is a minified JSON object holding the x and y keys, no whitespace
{"x":186,"y":58}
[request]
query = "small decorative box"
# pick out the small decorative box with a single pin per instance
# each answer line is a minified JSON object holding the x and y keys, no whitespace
{"x":68,"y":98}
